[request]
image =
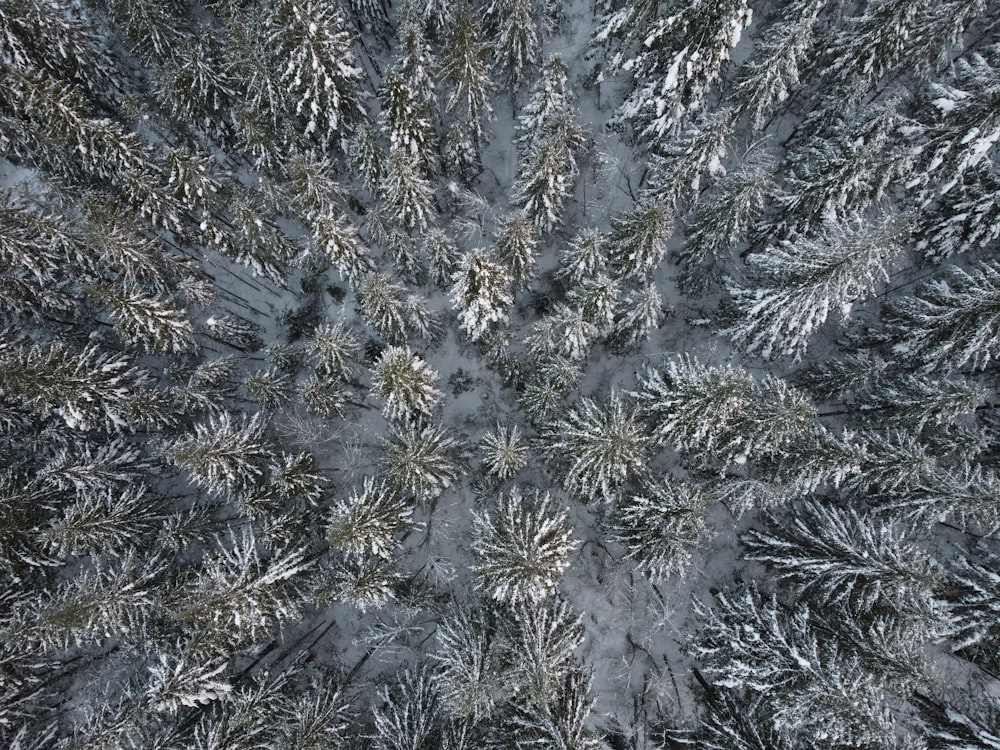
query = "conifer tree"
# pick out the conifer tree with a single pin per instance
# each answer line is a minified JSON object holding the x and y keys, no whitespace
{"x":405,"y":115}
{"x":775,"y":67}
{"x":408,"y":194}
{"x":516,"y":246}
{"x":721,"y":413}
{"x":950,"y":322}
{"x":603,"y":446}
{"x":698,"y":151}
{"x":468,"y":664}
{"x":333,"y":348}
{"x":394,"y":316}
{"x":88,"y":390}
{"x":338,"y":240}
{"x":421,"y":461}
{"x":222,"y":456}
{"x":270,"y":388}
{"x":411,"y":714}
{"x":368,"y":521}
{"x":143,"y":320}
{"x":405,"y":382}
{"x":639,"y":314}
{"x":183,"y":680}
{"x":847,"y":561}
{"x":522,"y":548}
{"x":659,"y":525}
{"x":481,"y":293}
{"x":814,"y":690}
{"x":198,"y":84}
{"x":542,"y":645}
{"x":442,"y":254}
{"x":583,"y":256}
{"x":563,"y":722}
{"x":108,"y":521}
{"x":597,"y":300}
{"x":465,"y":71}
{"x":505,"y":452}
{"x":547,"y":177}
{"x":795,"y":285}
{"x":515,"y":38}
{"x":238,"y":595}
{"x":313,"y":48}
{"x":673,"y":58}
{"x":639,"y":238}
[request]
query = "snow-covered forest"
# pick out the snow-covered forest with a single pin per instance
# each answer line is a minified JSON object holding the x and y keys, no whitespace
{"x":570,"y":374}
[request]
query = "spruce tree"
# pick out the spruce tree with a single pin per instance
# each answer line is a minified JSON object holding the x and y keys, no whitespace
{"x":464,"y":70}
{"x":522,"y":548}
{"x":368,"y":521}
{"x":481,"y":293}
{"x":405,"y":382}
{"x":421,"y":461}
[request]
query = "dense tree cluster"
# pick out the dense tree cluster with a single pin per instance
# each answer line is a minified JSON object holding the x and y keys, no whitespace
{"x":501,"y":373}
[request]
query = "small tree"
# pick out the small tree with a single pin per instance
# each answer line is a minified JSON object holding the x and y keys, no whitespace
{"x":465,"y":71}
{"x":481,"y":293}
{"x":516,"y":247}
{"x":602,"y":446}
{"x":368,"y":521}
{"x":639,"y":238}
{"x":405,"y":382}
{"x":523,"y":548}
{"x":505,"y":452}
{"x":421,"y":461}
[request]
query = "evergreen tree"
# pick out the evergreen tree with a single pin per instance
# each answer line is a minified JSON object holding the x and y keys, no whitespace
{"x":547,"y":177}
{"x":815,"y":692}
{"x":322,"y":398}
{"x":481,"y":293}
{"x":659,"y":525}
{"x":405,"y":115}
{"x":235,"y":331}
{"x":317,"y":65}
{"x":368,"y":584}
{"x":951,"y":322}
{"x":565,"y":332}
{"x":847,"y":561}
{"x":516,"y":247}
{"x":333,"y":349}
{"x":973,"y":606}
{"x":464,"y":70}
{"x":421,"y":461}
{"x":542,"y":647}
{"x":563,"y":722}
{"x":221,"y":456}
{"x":368,"y":521}
{"x":721,"y":413}
{"x":914,"y":402}
{"x":198,"y":84}
{"x":392,"y":315}
{"x":339,"y":241}
{"x":468,"y":664}
{"x":183,"y":680}
{"x":411,"y":714}
{"x":796,"y":284}
{"x":522,"y":548}
{"x":106,"y":521}
{"x":88,"y":390}
{"x":679,"y":166}
{"x":603,"y":447}
{"x":405,"y":382}
{"x":639,"y":238}
{"x":149,"y":321}
{"x":639,"y":314}
{"x":442,"y":255}
{"x":515,"y":38}
{"x":674,"y":59}
{"x":270,"y":388}
{"x":597,"y":300}
{"x":583,"y":256}
{"x":238,"y":596}
{"x":505,"y":452}
{"x":367,"y":156}
{"x":408,"y":194}
{"x":775,"y":67}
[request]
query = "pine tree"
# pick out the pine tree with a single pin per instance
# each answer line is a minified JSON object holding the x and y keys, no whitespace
{"x":659,"y":525}
{"x":442,"y":254}
{"x":339,"y":241}
{"x":546,"y":178}
{"x":775,"y":67}
{"x":333,"y":349}
{"x":563,"y":722}
{"x":914,"y":402}
{"x":721,"y":413}
{"x":638,"y":315}
{"x":516,"y":246}
{"x":639,"y":238}
{"x":317,"y":65}
{"x":583,"y":256}
{"x":322,"y":398}
{"x":368,"y":521}
{"x":368,"y":584}
{"x":392,"y":315}
{"x":565,"y":332}
{"x":464,"y":70}
{"x":405,"y":382}
{"x":674,"y":59}
{"x":316,"y":721}
{"x":796,"y":284}
{"x":88,"y":390}
{"x":150,"y":321}
{"x":603,"y":447}
{"x":221,"y":456}
{"x":515,"y":38}
{"x":421,"y":461}
{"x":505,"y":452}
{"x":974,"y":608}
{"x":198,"y":85}
{"x":951,"y":322}
{"x":410,"y":715}
{"x":723,"y":220}
{"x":109,"y":521}
{"x":814,"y":691}
{"x":408,"y":194}
{"x":522,"y":548}
{"x":542,"y":647}
{"x":679,"y":166}
{"x":481,"y":293}
{"x":183,"y":680}
{"x":847,"y":561}
{"x":468,"y":664}
{"x":597,"y":300}
{"x":238,"y":595}
{"x":235,"y":331}
{"x":405,"y":116}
